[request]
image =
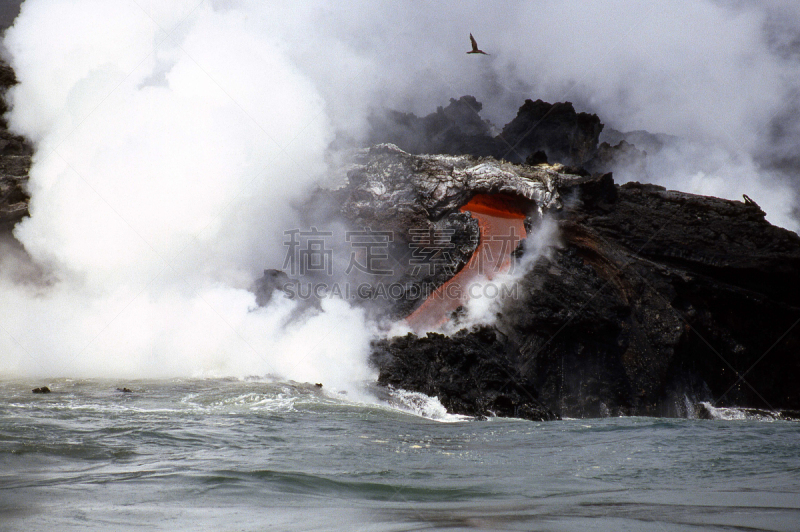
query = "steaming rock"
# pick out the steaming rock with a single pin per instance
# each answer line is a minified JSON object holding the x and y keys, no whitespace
{"x":557,"y":130}
{"x":655,"y":296}
{"x":624,"y":154}
{"x":564,"y":135}
{"x":540,"y":132}
{"x":468,"y":372}
{"x":15,"y":162}
{"x":386,"y":181}
{"x":406,"y":195}
{"x":455,"y":130}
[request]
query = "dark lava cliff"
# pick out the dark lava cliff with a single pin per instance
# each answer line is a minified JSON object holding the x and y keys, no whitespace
{"x":655,"y":299}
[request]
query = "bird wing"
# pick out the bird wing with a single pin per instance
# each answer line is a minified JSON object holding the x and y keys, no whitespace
{"x":474,"y":44}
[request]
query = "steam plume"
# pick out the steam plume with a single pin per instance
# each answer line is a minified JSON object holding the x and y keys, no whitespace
{"x":173,"y":137}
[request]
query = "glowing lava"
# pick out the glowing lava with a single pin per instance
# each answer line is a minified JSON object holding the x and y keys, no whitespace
{"x":501,"y":224}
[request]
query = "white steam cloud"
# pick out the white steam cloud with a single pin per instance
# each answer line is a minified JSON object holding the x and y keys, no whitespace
{"x":490,"y":294}
{"x":172,"y":138}
{"x":164,"y":172}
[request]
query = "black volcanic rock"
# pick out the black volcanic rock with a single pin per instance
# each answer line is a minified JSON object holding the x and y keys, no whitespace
{"x":656,"y":299}
{"x":623,"y":154}
{"x":15,"y":162}
{"x":468,"y":372}
{"x":7,"y":80}
{"x":711,"y":288}
{"x":561,"y":134}
{"x":565,"y":136}
{"x":415,"y":198}
{"x":456,"y":129}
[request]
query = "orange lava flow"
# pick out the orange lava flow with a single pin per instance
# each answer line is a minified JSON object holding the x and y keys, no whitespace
{"x":500,"y":221}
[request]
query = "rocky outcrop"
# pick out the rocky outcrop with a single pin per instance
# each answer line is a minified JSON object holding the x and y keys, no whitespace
{"x":564,"y":135}
{"x":654,"y":299}
{"x":557,"y":131}
{"x":386,"y":182}
{"x":15,"y":162}
{"x":468,"y":372}
{"x":622,"y":155}
{"x":540,"y":133}
{"x":457,"y":129}
{"x":416,"y":199}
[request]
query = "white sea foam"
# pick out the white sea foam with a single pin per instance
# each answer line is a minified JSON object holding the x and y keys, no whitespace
{"x":738,"y":414}
{"x":422,"y":405}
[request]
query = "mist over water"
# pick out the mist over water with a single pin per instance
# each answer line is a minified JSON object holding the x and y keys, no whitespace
{"x":165,"y":170}
{"x":174,"y":138}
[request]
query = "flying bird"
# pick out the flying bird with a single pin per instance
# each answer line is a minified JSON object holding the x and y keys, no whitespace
{"x":475,"y":49}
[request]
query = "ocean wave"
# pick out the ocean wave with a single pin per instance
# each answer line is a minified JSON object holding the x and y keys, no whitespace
{"x":422,"y":405}
{"x":705,"y":410}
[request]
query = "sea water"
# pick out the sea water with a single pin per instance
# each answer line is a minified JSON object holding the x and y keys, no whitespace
{"x":255,"y":455}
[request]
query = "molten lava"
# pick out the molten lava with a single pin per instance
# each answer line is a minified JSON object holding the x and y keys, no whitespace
{"x":501,"y":224}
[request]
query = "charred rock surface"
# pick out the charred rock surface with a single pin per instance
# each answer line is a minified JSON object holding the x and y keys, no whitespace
{"x":468,"y":372}
{"x":416,"y":199}
{"x":15,"y":162}
{"x":709,"y":284}
{"x":622,"y":155}
{"x":656,"y":298}
{"x":564,"y":135}
{"x":387,"y":182}
{"x":456,"y":129}
{"x":556,"y":130}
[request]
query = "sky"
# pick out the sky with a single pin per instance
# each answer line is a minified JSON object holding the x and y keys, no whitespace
{"x":174,"y":137}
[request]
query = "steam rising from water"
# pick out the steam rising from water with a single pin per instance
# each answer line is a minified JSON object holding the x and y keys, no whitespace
{"x":173,"y":137}
{"x":163,"y":180}
{"x":539,"y":245}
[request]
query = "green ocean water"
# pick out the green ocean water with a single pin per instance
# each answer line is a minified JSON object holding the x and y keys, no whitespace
{"x":254,"y":455}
